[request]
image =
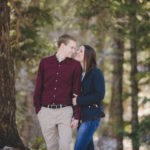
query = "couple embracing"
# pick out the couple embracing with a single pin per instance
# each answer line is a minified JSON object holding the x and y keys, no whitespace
{"x":68,"y":94}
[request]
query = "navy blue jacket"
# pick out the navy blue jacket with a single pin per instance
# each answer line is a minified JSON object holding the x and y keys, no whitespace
{"x":93,"y":92}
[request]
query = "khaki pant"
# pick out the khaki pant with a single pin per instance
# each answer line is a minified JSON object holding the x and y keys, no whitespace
{"x":55,"y":125}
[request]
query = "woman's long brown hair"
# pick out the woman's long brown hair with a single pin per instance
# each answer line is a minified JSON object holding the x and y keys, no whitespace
{"x":89,"y":58}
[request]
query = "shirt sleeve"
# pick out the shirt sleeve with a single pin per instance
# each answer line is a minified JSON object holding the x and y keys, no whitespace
{"x":77,"y":88}
{"x":38,"y":88}
{"x":98,"y":93}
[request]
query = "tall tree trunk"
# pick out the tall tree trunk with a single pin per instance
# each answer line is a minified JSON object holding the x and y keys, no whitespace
{"x":134,"y":81}
{"x":27,"y":127}
{"x":8,"y":131}
{"x":116,"y":106}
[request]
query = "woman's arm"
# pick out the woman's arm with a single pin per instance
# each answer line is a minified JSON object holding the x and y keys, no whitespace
{"x":98,"y":93}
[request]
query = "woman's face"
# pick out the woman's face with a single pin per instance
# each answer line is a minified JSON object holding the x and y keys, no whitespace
{"x":79,"y":56}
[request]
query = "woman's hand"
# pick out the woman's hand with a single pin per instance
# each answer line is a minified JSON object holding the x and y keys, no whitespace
{"x":74,"y":100}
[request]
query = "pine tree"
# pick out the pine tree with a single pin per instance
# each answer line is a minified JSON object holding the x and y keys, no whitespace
{"x":8,"y":131}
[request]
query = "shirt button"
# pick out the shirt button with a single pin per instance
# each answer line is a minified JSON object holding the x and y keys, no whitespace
{"x":56,"y":80}
{"x":57,"y":73}
{"x":53,"y":95}
{"x":55,"y":88}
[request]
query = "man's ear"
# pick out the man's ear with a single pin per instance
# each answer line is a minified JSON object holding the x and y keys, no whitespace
{"x":62,"y":45}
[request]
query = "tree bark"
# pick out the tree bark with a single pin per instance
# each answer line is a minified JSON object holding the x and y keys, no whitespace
{"x":28,"y":123}
{"x":8,"y":131}
{"x":134,"y":81}
{"x":116,"y":106}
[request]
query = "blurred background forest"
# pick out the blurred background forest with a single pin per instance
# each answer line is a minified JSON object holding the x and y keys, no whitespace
{"x":119,"y":30}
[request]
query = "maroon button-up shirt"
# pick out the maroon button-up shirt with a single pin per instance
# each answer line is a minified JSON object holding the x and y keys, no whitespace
{"x":56,"y":82}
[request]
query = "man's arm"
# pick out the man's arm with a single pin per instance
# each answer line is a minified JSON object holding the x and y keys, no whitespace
{"x":38,"y":88}
{"x":77,"y":88}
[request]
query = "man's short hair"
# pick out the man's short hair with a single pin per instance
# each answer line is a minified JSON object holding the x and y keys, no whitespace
{"x":65,"y":38}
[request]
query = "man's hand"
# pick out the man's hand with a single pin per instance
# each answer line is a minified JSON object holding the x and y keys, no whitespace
{"x":74,"y":123}
{"x":74,"y":100}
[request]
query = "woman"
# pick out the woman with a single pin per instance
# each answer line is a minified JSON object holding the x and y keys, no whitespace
{"x":93,"y":91}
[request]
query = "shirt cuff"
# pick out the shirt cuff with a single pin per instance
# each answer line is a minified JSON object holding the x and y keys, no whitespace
{"x":77,"y":112}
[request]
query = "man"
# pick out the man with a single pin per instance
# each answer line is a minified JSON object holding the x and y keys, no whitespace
{"x":59,"y":77}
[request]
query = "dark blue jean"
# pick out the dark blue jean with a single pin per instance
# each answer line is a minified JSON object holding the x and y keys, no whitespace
{"x":84,"y":140}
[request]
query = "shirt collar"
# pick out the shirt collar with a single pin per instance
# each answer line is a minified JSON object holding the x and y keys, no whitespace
{"x":55,"y":59}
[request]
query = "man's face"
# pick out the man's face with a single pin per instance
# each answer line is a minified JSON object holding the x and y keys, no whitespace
{"x":69,"y":49}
